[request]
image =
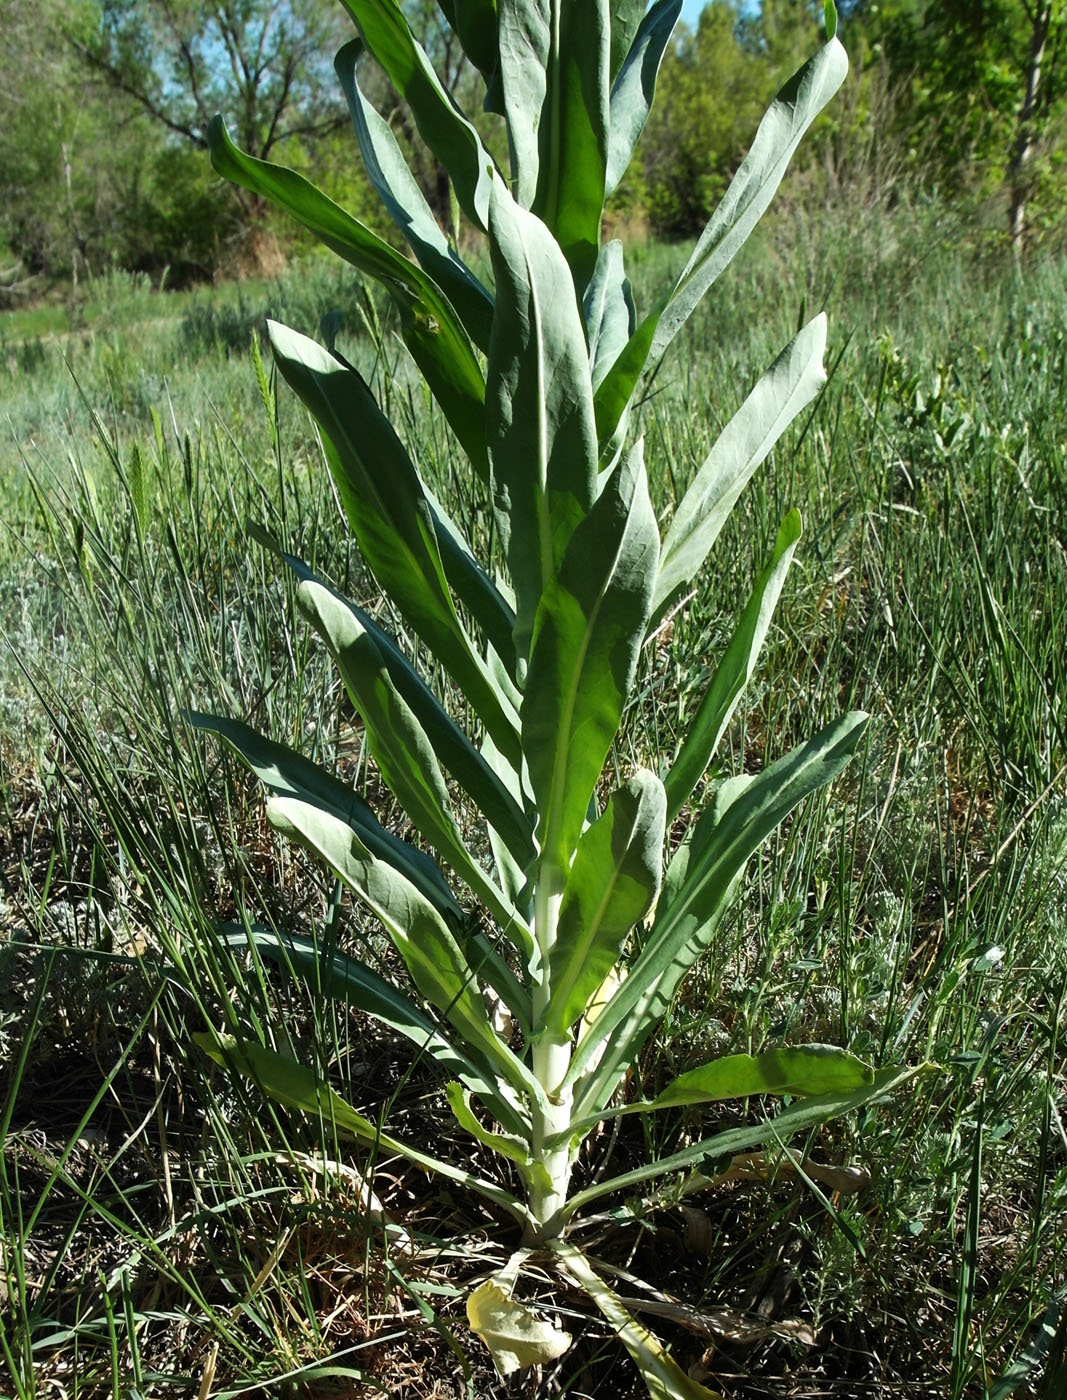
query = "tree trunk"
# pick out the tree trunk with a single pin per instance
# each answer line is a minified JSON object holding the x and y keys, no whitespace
{"x":1041,"y":19}
{"x":77,"y":241}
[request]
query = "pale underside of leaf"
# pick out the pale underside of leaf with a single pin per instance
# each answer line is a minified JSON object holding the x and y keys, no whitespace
{"x":514,"y":1334}
{"x":539,"y":406}
{"x":733,"y":673}
{"x":782,"y":392}
{"x":742,"y":814}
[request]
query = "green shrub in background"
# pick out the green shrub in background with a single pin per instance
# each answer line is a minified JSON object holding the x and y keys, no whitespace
{"x":536,"y":990}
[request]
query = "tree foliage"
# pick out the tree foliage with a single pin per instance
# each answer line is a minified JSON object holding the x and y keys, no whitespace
{"x":264,"y":62}
{"x":104,"y":105}
{"x":88,"y":181}
{"x":970,"y":94}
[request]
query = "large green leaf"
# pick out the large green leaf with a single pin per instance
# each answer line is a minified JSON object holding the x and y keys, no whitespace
{"x":432,"y":332}
{"x":626,"y":16}
{"x":587,"y":637}
{"x":750,"y":191}
{"x":444,"y":128}
{"x":611,"y":886}
{"x":478,"y":778}
{"x":633,"y":89}
{"x":298,"y":1086}
{"x":539,"y":405}
{"x":571,"y":180}
{"x":713,"y":861}
{"x":787,"y":387}
{"x":516,"y":1147}
{"x":431,"y":954}
{"x":402,"y":748}
{"x":474,"y":22}
{"x":799,"y":1070}
{"x":753,"y":187}
{"x":799,"y":1117}
{"x":662,"y":1375}
{"x":390,"y":514}
{"x":285,"y":772}
{"x":608,"y":306}
{"x":555,"y":68}
{"x":732,"y":674}
{"x":334,"y":974}
{"x":403,"y":198}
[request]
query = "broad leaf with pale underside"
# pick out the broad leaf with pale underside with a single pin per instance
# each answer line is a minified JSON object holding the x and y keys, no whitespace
{"x":514,"y":1334}
{"x":539,"y":406}
{"x":749,"y":193}
{"x":587,"y":636}
{"x":611,"y":886}
{"x":438,"y":343}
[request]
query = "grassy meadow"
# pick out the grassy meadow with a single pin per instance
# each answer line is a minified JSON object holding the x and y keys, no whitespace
{"x":166,"y":1231}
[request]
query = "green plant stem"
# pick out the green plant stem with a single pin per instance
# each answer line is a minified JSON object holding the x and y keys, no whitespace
{"x":551,"y":1060}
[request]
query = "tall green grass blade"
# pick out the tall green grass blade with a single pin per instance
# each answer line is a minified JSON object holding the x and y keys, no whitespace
{"x":967,"y":1282}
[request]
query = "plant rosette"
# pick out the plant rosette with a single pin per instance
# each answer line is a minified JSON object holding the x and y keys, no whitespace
{"x":586,"y":928}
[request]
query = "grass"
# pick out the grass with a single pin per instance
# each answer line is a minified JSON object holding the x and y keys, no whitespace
{"x":167,"y":1232}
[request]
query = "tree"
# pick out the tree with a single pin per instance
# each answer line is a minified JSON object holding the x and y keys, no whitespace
{"x":710,"y":95}
{"x":87,"y":182}
{"x":988,"y":80}
{"x":264,"y":65}
{"x":1040,"y":14}
{"x":261,"y":63}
